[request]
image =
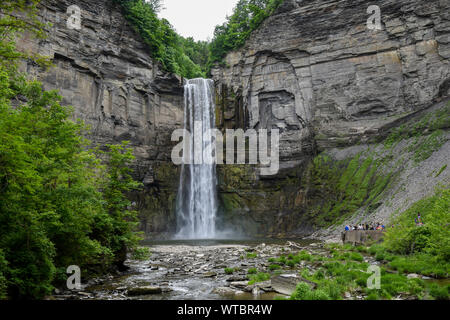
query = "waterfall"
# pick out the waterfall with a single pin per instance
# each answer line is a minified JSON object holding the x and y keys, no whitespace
{"x":196,"y":201}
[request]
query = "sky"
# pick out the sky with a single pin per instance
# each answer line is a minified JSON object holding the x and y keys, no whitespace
{"x":196,"y":18}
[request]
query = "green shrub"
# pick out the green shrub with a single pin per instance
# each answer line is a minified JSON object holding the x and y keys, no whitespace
{"x":259,"y":277}
{"x":319,"y":275}
{"x":304,"y":256}
{"x":247,"y":16}
{"x":304,"y":292}
{"x":332,"y":288}
{"x":291,"y":263}
{"x":317,"y":295}
{"x":356,"y":257}
{"x":372,"y":296}
{"x":229,"y":270}
{"x":252,"y":255}
{"x":439,"y":292}
{"x":433,"y":238}
{"x":3,"y":284}
{"x":175,"y":53}
{"x":252,"y":271}
{"x":141,"y":253}
{"x":274,"y":267}
{"x":301,"y":291}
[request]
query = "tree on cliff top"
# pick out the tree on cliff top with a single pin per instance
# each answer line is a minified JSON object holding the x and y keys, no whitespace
{"x":165,"y":45}
{"x":247,"y":17}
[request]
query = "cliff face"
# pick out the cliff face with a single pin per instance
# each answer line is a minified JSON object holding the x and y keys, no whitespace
{"x":104,"y":71}
{"x":313,"y":70}
{"x":316,"y":72}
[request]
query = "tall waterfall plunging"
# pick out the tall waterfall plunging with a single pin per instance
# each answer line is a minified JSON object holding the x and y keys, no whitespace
{"x":196,"y":202}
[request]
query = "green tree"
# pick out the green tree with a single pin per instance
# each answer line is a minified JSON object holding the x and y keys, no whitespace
{"x":121,"y":234}
{"x":164,"y":44}
{"x":247,"y":16}
{"x":60,"y":203}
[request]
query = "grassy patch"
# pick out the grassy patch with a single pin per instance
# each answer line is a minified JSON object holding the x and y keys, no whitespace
{"x":252,"y":271}
{"x":252,"y":255}
{"x":259,"y":277}
{"x":229,"y":270}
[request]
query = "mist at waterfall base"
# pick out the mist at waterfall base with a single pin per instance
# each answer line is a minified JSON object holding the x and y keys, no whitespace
{"x":197,"y":203}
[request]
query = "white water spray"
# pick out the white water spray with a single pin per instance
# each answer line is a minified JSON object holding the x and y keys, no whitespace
{"x":197,"y":202}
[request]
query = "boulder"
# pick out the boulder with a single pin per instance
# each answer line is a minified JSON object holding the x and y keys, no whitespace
{"x":226,"y":291}
{"x":287,"y":283}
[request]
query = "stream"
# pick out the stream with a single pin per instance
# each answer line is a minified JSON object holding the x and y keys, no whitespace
{"x":193,"y":270}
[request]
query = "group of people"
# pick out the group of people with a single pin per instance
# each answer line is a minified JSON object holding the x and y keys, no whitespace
{"x":377,"y":226}
{"x":418,"y":220}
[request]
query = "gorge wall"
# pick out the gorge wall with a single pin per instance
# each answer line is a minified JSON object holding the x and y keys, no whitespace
{"x":312,"y":70}
{"x":316,"y":72}
{"x":105,"y":72}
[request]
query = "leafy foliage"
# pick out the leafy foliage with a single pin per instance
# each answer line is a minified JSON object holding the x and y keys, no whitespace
{"x":185,"y":56}
{"x":432,"y":238}
{"x":247,"y":17}
{"x":11,"y":25}
{"x":165,"y":45}
{"x":60,"y":204}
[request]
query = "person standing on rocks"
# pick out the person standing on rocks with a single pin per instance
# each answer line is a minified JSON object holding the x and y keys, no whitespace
{"x":418,"y":220}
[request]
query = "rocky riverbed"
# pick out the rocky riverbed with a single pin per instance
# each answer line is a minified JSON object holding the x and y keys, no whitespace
{"x":195,"y":271}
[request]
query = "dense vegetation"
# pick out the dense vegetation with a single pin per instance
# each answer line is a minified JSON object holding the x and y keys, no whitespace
{"x":175,"y":53}
{"x":185,"y":56}
{"x":408,"y":248}
{"x":341,"y":271}
{"x":247,"y":17}
{"x":61,"y":203}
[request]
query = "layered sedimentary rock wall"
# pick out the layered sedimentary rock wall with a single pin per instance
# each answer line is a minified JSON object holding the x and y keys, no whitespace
{"x":315,"y":71}
{"x":105,"y":72}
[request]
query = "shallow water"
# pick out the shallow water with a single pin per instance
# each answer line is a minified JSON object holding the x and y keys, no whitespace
{"x":192,"y":270}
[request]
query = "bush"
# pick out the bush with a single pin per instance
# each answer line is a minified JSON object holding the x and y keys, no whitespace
{"x":3,"y":284}
{"x":301,"y":291}
{"x":291,"y":263}
{"x":141,"y":253}
{"x":274,"y":267}
{"x":332,"y":288}
{"x":317,"y":295}
{"x":229,"y":270}
{"x":425,"y":264}
{"x":304,"y":292}
{"x":252,"y":271}
{"x":304,"y":256}
{"x":259,"y":277}
{"x":247,"y":17}
{"x":165,"y":45}
{"x":433,"y":238}
{"x":372,"y":296}
{"x":439,"y":293}
{"x":356,"y":257}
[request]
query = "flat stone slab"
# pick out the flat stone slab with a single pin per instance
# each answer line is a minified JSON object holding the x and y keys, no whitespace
{"x":287,"y":283}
